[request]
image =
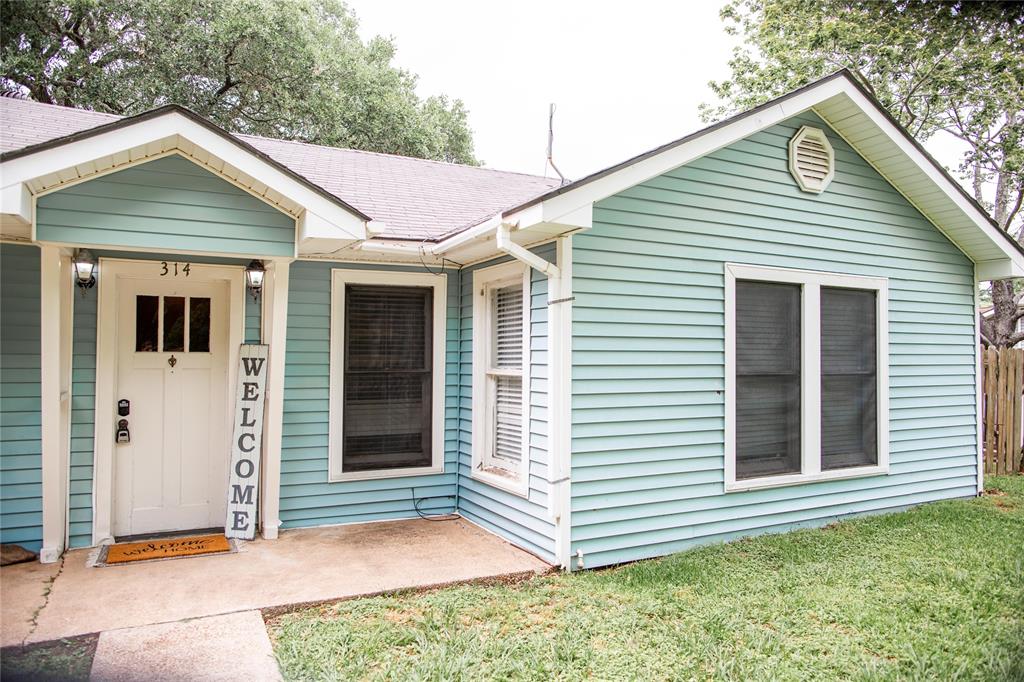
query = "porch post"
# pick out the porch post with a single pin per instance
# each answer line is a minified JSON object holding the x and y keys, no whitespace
{"x":274,"y":333}
{"x":55,"y":395}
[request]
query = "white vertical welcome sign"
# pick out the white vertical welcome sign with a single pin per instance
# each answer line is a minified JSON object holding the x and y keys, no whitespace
{"x":246,"y":439}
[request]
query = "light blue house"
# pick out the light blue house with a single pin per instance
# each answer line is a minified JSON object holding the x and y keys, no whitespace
{"x":768,"y":324}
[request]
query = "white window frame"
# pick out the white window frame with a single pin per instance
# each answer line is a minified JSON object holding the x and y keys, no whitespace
{"x":484,"y":468}
{"x":810,"y":372}
{"x":439,"y":283}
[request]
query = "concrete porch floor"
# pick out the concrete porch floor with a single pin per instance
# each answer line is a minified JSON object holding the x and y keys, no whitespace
{"x":308,"y":565}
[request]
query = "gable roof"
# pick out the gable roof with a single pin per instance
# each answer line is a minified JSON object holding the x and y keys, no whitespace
{"x":860,"y":119}
{"x":415,"y":199}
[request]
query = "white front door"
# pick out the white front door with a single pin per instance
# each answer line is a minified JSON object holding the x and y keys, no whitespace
{"x":172,"y":368}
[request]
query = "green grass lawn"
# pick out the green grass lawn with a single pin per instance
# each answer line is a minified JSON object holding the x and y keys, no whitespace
{"x":934,"y":593}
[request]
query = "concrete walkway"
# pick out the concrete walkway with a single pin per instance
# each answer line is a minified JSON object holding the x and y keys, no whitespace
{"x":230,"y":647}
{"x":309,"y":565}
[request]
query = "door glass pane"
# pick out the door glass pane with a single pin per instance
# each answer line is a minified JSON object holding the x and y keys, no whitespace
{"x":199,"y":325}
{"x":174,"y":323}
{"x":849,"y":422}
{"x":146,"y":323}
{"x":767,"y":379}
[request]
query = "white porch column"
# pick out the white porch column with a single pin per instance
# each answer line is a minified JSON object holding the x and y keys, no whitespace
{"x":274,"y":332}
{"x":55,"y":395}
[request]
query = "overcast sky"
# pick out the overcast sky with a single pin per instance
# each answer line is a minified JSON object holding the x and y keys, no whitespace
{"x":625,"y":76}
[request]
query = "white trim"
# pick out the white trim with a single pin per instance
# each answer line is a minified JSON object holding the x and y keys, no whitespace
{"x":811,"y":283}
{"x":830,"y":91}
{"x":560,"y":299}
{"x":54,"y":375}
{"x":439,"y":284}
{"x":109,"y":272}
{"x":273,"y":328}
{"x":174,"y":131}
{"x":978,"y":386}
{"x":482,"y":467}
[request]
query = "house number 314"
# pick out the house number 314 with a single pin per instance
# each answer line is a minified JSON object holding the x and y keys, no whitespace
{"x":174,"y":269}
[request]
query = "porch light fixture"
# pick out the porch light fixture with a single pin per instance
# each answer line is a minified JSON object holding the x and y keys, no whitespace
{"x":254,"y":272}
{"x":85,"y":270}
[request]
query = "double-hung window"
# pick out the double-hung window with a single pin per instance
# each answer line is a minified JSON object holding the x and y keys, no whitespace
{"x":806,"y":376}
{"x":501,"y":318}
{"x":387,"y":374}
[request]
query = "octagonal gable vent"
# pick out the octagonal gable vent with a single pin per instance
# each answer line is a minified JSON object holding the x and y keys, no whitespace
{"x":811,"y":159}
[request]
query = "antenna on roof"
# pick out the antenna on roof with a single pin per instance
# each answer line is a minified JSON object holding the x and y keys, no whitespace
{"x":551,"y":142}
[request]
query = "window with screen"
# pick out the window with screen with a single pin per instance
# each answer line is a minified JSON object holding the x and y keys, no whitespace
{"x":806,"y":376}
{"x":387,"y":374}
{"x":500,"y":358}
{"x":849,"y":429}
{"x":387,"y":377}
{"x":767,"y":379}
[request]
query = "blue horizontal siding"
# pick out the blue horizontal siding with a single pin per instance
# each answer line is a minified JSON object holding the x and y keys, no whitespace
{"x":524,"y":521}
{"x":648,"y":347}
{"x":21,"y":495}
{"x":83,"y":411}
{"x":170,"y":203}
{"x":307,"y":498}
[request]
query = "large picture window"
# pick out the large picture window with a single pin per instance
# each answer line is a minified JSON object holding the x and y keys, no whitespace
{"x":500,"y":377}
{"x":386,"y":374}
{"x":806,"y":376}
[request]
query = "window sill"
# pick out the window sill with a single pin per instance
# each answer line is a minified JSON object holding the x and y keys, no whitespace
{"x":384,"y":473}
{"x":499,"y":478}
{"x":799,"y":479}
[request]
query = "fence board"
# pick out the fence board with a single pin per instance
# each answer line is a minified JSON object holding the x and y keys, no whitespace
{"x":1002,"y":406}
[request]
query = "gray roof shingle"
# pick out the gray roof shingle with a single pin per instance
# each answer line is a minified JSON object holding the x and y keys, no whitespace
{"x":415,"y":198}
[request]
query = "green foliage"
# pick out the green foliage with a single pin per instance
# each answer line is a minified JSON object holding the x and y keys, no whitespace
{"x":68,"y":660}
{"x":957,"y":67}
{"x":293,"y":69}
{"x":932,"y":593}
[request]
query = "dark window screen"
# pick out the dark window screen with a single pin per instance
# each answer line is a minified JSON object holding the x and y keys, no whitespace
{"x":849,"y":422}
{"x":174,"y":323}
{"x":767,"y":379}
{"x":388,"y":370}
{"x":199,"y":325}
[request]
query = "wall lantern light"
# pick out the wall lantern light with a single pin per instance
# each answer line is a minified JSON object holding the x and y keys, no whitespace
{"x":85,"y":270}
{"x":254,"y":272}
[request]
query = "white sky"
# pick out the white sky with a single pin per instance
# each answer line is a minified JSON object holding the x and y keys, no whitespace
{"x":625,"y":76}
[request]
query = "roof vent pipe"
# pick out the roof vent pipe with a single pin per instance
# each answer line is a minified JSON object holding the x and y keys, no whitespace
{"x":551,"y":143}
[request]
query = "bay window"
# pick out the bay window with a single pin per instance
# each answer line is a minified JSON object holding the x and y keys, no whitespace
{"x":806,"y":376}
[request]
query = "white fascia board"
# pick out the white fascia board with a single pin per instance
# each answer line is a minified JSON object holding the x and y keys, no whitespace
{"x":939,"y":179}
{"x":701,"y":145}
{"x":988,"y":270}
{"x":16,"y":200}
{"x":24,"y":168}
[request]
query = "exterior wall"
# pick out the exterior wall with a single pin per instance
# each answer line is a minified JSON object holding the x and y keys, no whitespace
{"x":307,"y":498}
{"x":524,"y":521}
{"x":83,"y":390}
{"x":83,"y":411}
{"x":21,"y":495}
{"x":648,"y":347}
{"x":170,"y":203}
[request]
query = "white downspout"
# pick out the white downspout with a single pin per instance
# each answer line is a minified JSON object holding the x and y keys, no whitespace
{"x":559,"y":376}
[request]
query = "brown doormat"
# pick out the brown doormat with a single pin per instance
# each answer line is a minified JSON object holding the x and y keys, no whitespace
{"x":166,"y":548}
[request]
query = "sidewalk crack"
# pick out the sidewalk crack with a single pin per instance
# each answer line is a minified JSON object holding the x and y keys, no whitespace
{"x":34,"y":620}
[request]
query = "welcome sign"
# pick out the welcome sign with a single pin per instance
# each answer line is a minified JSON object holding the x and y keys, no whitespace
{"x":246,"y":438}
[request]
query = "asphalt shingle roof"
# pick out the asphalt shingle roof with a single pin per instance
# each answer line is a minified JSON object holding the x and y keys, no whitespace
{"x":415,"y":198}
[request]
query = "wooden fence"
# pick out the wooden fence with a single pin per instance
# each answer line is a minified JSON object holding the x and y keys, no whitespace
{"x":1002,"y":388}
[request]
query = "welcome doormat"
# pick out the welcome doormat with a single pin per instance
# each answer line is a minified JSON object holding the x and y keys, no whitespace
{"x":166,"y":548}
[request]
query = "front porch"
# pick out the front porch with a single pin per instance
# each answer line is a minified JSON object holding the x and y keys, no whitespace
{"x":301,"y":566}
